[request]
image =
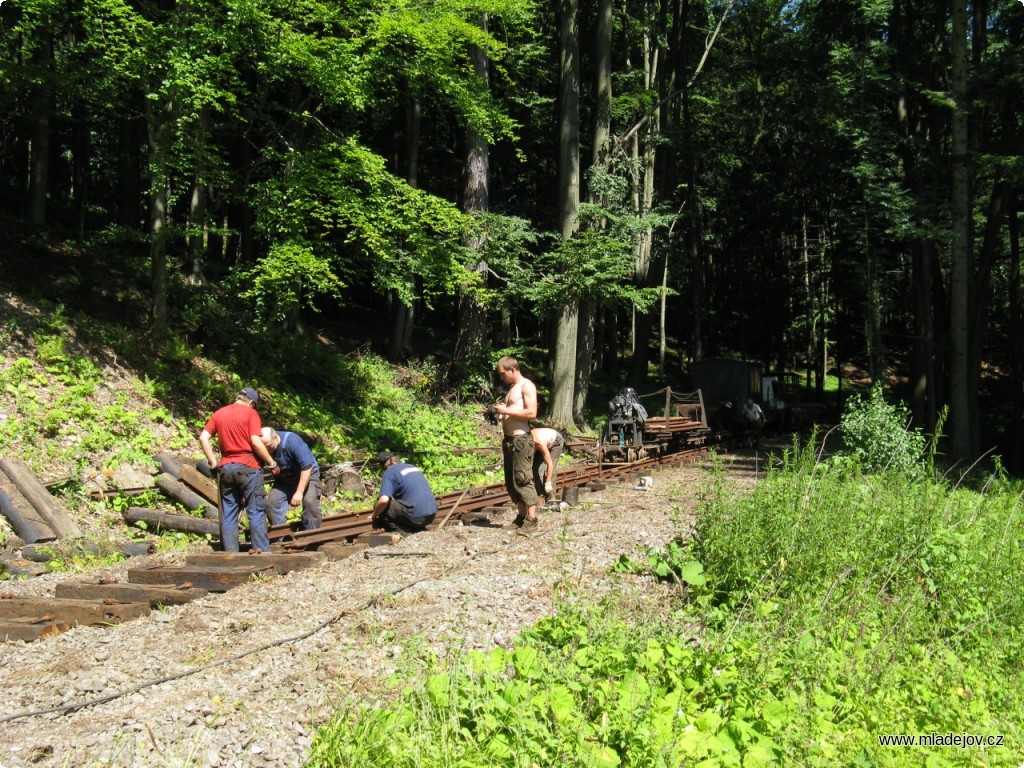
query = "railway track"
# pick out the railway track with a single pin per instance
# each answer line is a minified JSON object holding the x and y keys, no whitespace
{"x":103,"y":602}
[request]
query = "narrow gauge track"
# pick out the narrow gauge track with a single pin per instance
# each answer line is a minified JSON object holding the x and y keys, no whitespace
{"x":457,"y":505}
{"x":104,"y":602}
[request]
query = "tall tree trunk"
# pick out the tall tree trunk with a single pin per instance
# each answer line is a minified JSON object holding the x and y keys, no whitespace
{"x":39,"y":154}
{"x":961,"y":272}
{"x":645,"y":273}
{"x":698,"y":265}
{"x":401,"y":334}
{"x":564,"y":352}
{"x":471,"y":341}
{"x":923,"y":403}
{"x":1016,"y":319}
{"x":81,"y":154}
{"x":585,"y":332}
{"x":585,"y":340}
{"x":130,"y":136}
{"x":197,"y":208}
{"x":197,"y":225}
{"x":981,"y":299}
{"x":159,"y":124}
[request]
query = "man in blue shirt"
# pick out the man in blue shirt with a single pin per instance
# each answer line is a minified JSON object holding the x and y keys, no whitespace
{"x":406,"y":502}
{"x":299,"y":481}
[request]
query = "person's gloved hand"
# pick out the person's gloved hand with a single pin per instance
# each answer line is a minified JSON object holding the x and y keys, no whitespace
{"x":549,"y":487}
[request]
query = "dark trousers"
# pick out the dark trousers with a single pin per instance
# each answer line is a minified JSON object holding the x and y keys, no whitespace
{"x":395,"y":517}
{"x":280,"y":495}
{"x":540,"y":469}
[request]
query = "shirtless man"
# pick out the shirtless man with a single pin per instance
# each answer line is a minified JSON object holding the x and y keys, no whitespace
{"x":517,"y":447}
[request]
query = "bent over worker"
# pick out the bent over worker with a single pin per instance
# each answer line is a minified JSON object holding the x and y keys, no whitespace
{"x":240,"y":480}
{"x":299,"y":481}
{"x":406,"y":502}
{"x":547,"y":448}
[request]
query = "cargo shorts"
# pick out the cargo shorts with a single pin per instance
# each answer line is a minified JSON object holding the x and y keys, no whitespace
{"x":517,"y":452}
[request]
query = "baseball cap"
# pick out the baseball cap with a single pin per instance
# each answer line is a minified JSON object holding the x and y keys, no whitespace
{"x":252,"y":394}
{"x":384,"y":457}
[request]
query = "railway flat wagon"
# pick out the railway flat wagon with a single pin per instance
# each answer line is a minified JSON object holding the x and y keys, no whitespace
{"x":632,"y":435}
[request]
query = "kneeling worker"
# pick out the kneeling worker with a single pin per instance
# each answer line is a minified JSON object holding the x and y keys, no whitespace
{"x":406,"y":502}
{"x":299,"y":481}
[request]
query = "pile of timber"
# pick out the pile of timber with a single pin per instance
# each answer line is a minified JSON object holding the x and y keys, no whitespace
{"x":33,"y":513}
{"x":184,"y":483}
{"x":659,"y":425}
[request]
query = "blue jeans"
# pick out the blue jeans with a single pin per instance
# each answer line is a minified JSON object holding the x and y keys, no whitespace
{"x":241,"y":487}
{"x":280,"y":495}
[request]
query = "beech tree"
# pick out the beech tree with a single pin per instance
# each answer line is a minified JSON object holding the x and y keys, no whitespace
{"x":563,"y":352}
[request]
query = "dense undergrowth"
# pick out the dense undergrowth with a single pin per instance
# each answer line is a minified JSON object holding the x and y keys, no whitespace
{"x":828,"y":610}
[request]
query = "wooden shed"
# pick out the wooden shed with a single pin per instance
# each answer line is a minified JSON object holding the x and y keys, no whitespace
{"x":726,"y":379}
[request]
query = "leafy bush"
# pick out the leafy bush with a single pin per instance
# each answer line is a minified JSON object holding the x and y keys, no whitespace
{"x":878,"y":434}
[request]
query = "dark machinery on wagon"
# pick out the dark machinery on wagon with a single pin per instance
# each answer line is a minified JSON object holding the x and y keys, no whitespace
{"x":630,"y":434}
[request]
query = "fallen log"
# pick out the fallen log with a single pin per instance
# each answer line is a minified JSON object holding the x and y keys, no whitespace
{"x":157,"y":521}
{"x":181,"y":493}
{"x":57,"y":518}
{"x":199,"y":483}
{"x":169,"y":463}
{"x":26,"y":523}
{"x":44,"y":553}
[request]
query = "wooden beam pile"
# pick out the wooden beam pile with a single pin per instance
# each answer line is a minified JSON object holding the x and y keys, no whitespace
{"x":33,"y":513}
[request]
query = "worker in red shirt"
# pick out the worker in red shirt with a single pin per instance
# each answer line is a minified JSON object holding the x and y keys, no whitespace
{"x":240,"y":477}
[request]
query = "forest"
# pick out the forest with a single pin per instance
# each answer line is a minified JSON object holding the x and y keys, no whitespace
{"x":611,"y":191}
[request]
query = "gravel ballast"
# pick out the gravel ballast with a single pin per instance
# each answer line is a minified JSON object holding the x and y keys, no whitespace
{"x":255,"y":670}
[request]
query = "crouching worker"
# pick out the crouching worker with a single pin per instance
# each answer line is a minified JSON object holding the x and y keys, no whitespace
{"x":299,"y":480}
{"x":406,"y":503}
{"x":547,"y":448}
